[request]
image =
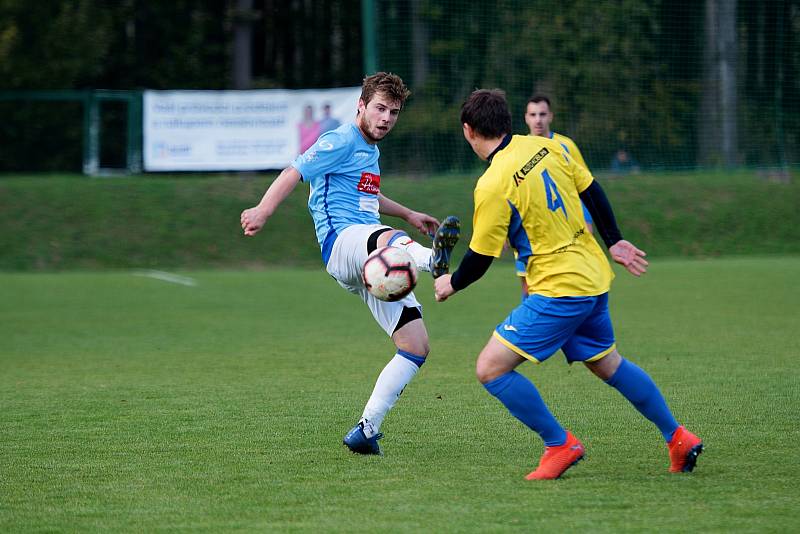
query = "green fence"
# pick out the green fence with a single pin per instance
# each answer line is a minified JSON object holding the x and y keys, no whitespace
{"x":24,"y":107}
{"x":677,"y":84}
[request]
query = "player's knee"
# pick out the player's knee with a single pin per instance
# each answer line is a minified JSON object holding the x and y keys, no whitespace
{"x":421,"y":346}
{"x":487,"y":369}
{"x":605,"y":367}
{"x":485,"y":373}
{"x":424,"y":349}
{"x":495,"y":360}
{"x":481,"y":372}
{"x":385,"y":237}
{"x":418,"y":347}
{"x":410,"y":334}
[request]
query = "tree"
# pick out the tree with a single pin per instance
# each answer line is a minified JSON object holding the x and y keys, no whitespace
{"x":243,"y":18}
{"x":718,"y":112}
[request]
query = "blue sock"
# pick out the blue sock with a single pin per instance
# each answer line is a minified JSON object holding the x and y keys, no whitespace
{"x":637,"y":386}
{"x":413,"y":358}
{"x":395,"y":237}
{"x":522,"y":399}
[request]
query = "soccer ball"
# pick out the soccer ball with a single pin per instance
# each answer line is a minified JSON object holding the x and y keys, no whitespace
{"x":389,"y":273}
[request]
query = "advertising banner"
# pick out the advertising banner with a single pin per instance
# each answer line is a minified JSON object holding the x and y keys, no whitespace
{"x":238,"y":130}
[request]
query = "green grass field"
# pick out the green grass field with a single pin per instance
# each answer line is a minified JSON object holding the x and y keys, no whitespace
{"x":135,"y":404}
{"x":69,"y":222}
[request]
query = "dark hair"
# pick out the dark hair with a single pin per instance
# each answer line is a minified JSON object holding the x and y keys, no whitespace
{"x":486,"y":111}
{"x":535,"y":99}
{"x":386,"y":83}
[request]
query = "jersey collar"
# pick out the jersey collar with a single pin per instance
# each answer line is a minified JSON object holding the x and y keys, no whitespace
{"x":504,"y":143}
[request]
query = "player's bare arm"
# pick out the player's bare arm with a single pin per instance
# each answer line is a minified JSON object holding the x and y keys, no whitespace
{"x":253,"y":219}
{"x":421,"y":221}
{"x":630,"y":257}
{"x":473,"y":266}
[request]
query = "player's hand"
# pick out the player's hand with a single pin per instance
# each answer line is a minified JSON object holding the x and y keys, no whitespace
{"x":630,"y":257}
{"x":253,"y":220}
{"x":423,"y":222}
{"x":442,"y":288}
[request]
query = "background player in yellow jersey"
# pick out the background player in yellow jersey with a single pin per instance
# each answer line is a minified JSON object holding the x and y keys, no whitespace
{"x":531,"y":196}
{"x":538,"y":117}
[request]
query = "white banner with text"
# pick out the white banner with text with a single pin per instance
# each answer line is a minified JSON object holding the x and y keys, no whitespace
{"x":238,"y":130}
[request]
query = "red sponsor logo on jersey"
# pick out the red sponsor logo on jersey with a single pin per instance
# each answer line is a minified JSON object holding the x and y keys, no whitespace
{"x":370,"y":183}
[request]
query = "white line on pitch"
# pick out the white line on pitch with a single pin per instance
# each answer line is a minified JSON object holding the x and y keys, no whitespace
{"x":168,"y":277}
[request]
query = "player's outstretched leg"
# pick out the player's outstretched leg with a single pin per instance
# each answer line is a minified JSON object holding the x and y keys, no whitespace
{"x":443,"y":242}
{"x":684,"y":448}
{"x":436,"y":259}
{"x":358,"y":442}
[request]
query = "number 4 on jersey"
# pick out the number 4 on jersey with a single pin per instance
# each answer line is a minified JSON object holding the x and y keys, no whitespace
{"x":554,"y":201}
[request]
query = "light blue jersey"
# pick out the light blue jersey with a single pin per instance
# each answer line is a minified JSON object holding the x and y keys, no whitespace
{"x":343,"y":173}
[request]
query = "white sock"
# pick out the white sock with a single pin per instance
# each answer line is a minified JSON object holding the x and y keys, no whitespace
{"x":421,"y":255}
{"x":390,"y":384}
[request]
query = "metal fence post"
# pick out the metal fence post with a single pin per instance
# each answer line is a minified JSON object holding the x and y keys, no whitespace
{"x":134,"y":144}
{"x":91,"y":134}
{"x":369,"y":41}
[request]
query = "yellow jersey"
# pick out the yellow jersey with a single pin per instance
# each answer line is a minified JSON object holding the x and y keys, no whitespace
{"x":529,"y":195}
{"x":569,"y":147}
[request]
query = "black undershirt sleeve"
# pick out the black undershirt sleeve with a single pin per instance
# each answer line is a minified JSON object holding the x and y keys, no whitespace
{"x":472,"y":267}
{"x":595,"y":200}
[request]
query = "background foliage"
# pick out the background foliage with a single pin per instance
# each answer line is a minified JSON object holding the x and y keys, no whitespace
{"x":636,"y":74}
{"x":621,"y":74}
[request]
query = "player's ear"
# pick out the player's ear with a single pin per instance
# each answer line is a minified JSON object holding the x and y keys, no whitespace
{"x":468,"y":132}
{"x":361,"y":105}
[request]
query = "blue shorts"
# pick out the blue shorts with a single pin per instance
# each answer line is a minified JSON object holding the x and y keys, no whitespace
{"x":579,"y":326}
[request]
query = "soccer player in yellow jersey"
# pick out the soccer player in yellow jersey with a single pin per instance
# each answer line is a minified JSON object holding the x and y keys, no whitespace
{"x":538,"y":117}
{"x":531,"y":196}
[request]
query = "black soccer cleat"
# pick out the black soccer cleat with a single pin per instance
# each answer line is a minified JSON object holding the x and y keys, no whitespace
{"x":443,"y":242}
{"x":691,"y":458}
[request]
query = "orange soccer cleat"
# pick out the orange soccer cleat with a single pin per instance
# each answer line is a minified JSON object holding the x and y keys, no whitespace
{"x":556,"y":460}
{"x":684,"y":448}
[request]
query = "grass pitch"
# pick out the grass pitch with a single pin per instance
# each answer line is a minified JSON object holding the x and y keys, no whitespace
{"x":130,"y":403}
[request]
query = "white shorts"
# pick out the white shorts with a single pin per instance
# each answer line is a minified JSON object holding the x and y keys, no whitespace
{"x":347,"y":259}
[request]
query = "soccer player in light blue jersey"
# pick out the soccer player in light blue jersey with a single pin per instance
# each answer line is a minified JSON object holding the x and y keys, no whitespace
{"x":345,"y":202}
